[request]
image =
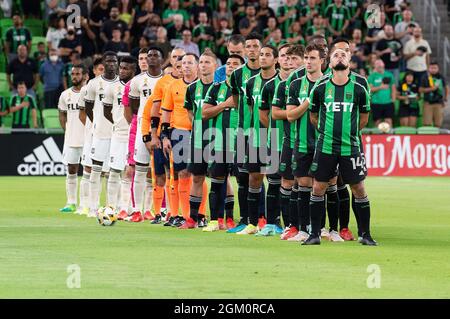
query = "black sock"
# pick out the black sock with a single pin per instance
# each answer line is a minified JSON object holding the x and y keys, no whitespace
{"x":229,"y":206}
{"x":254,"y":195}
{"x":317,"y":209}
{"x":273,"y":201}
{"x":215,"y":197}
{"x":293,"y":207}
{"x":362,"y":207}
{"x":242,"y":180}
{"x":324,"y":219}
{"x":262,"y":202}
{"x":194,"y":204}
{"x":333,"y":207}
{"x":344,"y":206}
{"x":285,"y":195}
{"x":304,"y":195}
{"x":355,"y":212}
{"x":222,"y":204}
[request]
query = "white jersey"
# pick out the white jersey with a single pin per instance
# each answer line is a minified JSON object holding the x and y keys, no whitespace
{"x":68,"y":103}
{"x":141,"y":87}
{"x":96,"y":89}
{"x":113,"y":96}
{"x":88,"y":124}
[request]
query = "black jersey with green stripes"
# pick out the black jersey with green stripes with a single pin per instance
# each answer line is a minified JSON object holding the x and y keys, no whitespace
{"x":225,"y":123}
{"x":254,"y":98}
{"x":275,"y":126}
{"x":338,"y":108}
{"x":337,"y":16}
{"x":238,"y":82}
{"x":299,"y":91}
{"x":195,"y":96}
{"x":21,"y":118}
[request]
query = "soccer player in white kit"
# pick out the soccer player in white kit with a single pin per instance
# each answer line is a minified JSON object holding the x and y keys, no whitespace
{"x":73,"y":134}
{"x":114,"y":112}
{"x":141,"y":88}
{"x":101,"y":137}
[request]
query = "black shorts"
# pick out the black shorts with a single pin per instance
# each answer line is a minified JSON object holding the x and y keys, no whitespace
{"x":302,"y":163}
{"x":262,"y":161}
{"x":222,"y":164}
{"x":180,"y":140}
{"x":198,"y":161}
{"x":160,"y":162}
{"x":382,"y":111}
{"x":285,"y":169}
{"x":407,"y":111}
{"x":324,"y":167}
{"x":241,"y":160}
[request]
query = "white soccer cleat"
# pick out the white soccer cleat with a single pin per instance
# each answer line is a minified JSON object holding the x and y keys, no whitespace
{"x":325,"y":234}
{"x":335,"y":237}
{"x":300,"y":237}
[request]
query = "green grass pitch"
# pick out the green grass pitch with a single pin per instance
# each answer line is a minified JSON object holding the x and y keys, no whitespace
{"x":410,"y":220}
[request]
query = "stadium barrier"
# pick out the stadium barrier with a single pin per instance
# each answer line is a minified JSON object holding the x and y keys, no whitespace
{"x":385,"y":155}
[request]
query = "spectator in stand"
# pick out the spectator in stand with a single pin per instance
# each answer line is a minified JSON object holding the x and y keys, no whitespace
{"x":361,"y":48}
{"x":143,"y":43}
{"x":271,"y":27}
{"x":152,"y":29}
{"x":4,"y":110}
{"x":16,"y":36}
{"x":203,"y":33}
{"x":68,"y":44}
{"x":287,"y":14}
{"x":6,"y":7}
{"x":382,"y":87}
{"x":22,"y":69}
{"x":338,"y":19}
{"x":417,"y":53}
{"x":22,"y":105}
{"x":171,"y":11}
{"x":99,"y":15}
{"x":53,"y":7}
{"x":235,"y":45}
{"x":435,"y":91}
{"x":162,"y":42}
{"x":295,"y":34}
{"x":116,"y":44}
{"x":199,"y":6}
{"x":307,"y":14}
{"x":238,"y":8}
{"x":56,"y":32}
{"x":222,"y":37}
{"x":83,"y":6}
{"x":318,"y":28}
{"x":375,"y":34}
{"x":187,"y":45}
{"x":390,"y":50}
{"x":87,"y":39}
{"x":113,"y":23}
{"x":276,"y":39}
{"x":264,"y":13}
{"x":143,"y":16}
{"x":222,"y":13}
{"x":356,"y":8}
{"x":404,"y":29}
{"x":249,"y":24}
{"x":51,"y":74}
{"x":75,"y":59}
{"x":126,"y":12}
{"x":175,"y":32}
{"x":408,"y":96}
{"x":41,"y":54}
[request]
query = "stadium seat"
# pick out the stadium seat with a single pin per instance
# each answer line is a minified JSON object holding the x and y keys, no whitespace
{"x":405,"y":130}
{"x":428,"y":130}
{"x":51,"y":119}
{"x":5,"y":24}
{"x":3,"y":62}
{"x":35,"y":26}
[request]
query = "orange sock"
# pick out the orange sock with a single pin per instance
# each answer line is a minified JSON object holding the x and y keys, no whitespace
{"x":174,"y":201}
{"x":202,"y":209}
{"x":184,"y":190}
{"x":158,"y":196}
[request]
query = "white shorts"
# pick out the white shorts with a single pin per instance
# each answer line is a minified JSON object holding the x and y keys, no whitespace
{"x":141,"y":154}
{"x":100,"y":149}
{"x":72,"y":155}
{"x":118,"y":154}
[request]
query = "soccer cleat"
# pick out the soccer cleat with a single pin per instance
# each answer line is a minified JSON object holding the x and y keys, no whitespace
{"x":202,"y":222}
{"x":334,"y":236}
{"x":163,"y":212}
{"x":346,"y":234}
{"x":212,"y":226}
{"x":278,"y":229}
{"x":230,"y":223}
{"x":136,"y":217}
{"x":268,"y":230}
{"x":249,"y":230}
{"x":84,"y":211}
{"x":69,"y":208}
{"x":285,"y":230}
{"x":325,"y":234}
{"x":122,"y":215}
{"x":367,"y":240}
{"x":148,"y":216}
{"x":312,"y":240}
{"x":290,"y":233}
{"x":92,"y":213}
{"x":262,"y":222}
{"x":188,"y":224}
{"x":221,"y":224}
{"x":237,"y":229}
{"x":170,"y":221}
{"x":300,"y":237}
{"x":178,"y":221}
{"x":156,"y":220}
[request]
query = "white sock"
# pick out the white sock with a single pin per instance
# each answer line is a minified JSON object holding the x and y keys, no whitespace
{"x":148,"y":195}
{"x":140,"y":176}
{"x":113,"y":188}
{"x":166,"y":196}
{"x":125,"y":193}
{"x":95,"y":183}
{"x":105,"y":178}
{"x":85,"y":189}
{"x":71,"y":188}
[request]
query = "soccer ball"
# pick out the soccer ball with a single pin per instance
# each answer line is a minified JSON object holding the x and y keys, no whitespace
{"x":384,"y":127}
{"x":106,"y":216}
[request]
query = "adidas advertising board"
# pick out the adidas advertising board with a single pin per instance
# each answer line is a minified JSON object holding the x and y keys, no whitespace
{"x":32,"y":155}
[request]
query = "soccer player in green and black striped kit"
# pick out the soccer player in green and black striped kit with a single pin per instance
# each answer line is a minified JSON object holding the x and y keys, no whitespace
{"x":238,"y":82}
{"x":220,"y":108}
{"x":339,"y":109}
